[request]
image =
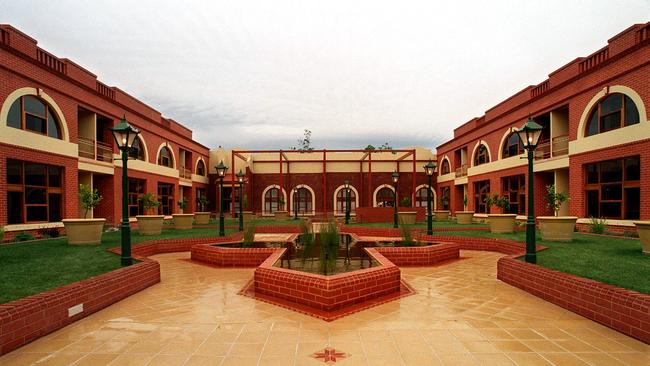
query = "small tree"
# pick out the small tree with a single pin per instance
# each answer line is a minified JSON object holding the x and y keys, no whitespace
{"x":90,"y":198}
{"x":149,"y":201}
{"x":405,"y":202}
{"x":304,"y":144}
{"x":182,"y":204}
{"x":465,"y":203}
{"x":443,"y":200}
{"x":369,"y":148}
{"x":249,"y":235}
{"x":554,"y":199}
{"x":499,"y":201}
{"x":202,"y":203}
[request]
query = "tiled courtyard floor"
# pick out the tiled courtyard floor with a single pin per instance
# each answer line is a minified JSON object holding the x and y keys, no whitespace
{"x":461,"y":315}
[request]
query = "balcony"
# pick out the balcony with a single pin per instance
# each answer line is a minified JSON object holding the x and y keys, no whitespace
{"x":558,"y":146}
{"x":184,"y":173}
{"x":461,"y":171}
{"x":95,"y":150}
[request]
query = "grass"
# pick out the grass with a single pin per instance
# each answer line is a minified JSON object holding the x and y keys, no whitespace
{"x":420,"y":225}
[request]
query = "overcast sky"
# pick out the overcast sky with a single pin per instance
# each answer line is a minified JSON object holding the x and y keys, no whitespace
{"x":257,"y":73}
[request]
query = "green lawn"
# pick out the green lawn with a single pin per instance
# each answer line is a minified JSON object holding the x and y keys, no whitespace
{"x":420,"y":224}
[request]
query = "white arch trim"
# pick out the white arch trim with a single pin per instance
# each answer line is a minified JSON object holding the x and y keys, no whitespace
{"x":196,"y":166}
{"x":476,"y":147}
{"x":444,"y":158}
{"x":503,"y":141}
{"x":603,"y":93}
{"x":374,"y":194}
{"x":356,"y":198}
{"x":4,"y":112}
{"x":144,"y":147}
{"x":284,"y":197}
{"x":434,"y":199}
{"x":169,"y":146}
{"x":313,"y":199}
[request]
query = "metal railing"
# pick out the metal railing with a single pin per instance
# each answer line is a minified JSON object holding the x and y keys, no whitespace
{"x":557,"y":146}
{"x":461,"y":171}
{"x":95,"y":150}
{"x":184,"y":173}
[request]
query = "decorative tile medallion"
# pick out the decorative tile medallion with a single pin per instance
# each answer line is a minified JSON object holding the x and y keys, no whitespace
{"x":329,"y":355}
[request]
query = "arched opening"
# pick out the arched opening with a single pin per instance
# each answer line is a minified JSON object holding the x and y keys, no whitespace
{"x":340,"y":200}
{"x":385,"y":196}
{"x":137,"y":151}
{"x":200,"y":167}
{"x":614,"y":111}
{"x":31,"y":113}
{"x":482,"y":155}
{"x":421,"y":196}
{"x":165,"y":157}
{"x":445,"y":168}
{"x":512,"y":146}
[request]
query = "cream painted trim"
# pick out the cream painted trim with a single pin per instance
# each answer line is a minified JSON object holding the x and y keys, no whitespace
{"x":284,"y":196}
{"x":185,"y":182}
{"x":446,"y":177}
{"x":169,"y":146}
{"x":356,"y":198}
{"x":460,"y":181}
{"x":471,"y":157}
{"x":144,"y":146}
{"x":610,"y":222}
{"x":434,"y":198}
{"x":143,"y":166}
{"x":374,"y":194}
{"x":551,"y":164}
{"x":196,"y":167}
{"x":88,"y":165}
{"x":33,"y":140}
{"x":503,"y":141}
{"x":200,"y":179}
{"x":313,"y":200}
{"x":444,"y":158}
{"x":22,"y":227}
{"x":507,"y":163}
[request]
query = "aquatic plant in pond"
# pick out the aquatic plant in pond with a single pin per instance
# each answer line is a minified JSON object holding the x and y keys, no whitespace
{"x":307,"y":240}
{"x":329,"y":247}
{"x":249,"y":235}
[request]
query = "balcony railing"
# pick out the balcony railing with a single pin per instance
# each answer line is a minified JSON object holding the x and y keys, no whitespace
{"x":184,"y":173}
{"x":557,"y":146}
{"x":461,"y":171}
{"x":543,"y":150}
{"x":95,"y":150}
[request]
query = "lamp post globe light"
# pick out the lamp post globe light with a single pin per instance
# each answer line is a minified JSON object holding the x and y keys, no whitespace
{"x":430,"y":170}
{"x":124,"y":135}
{"x":240,"y":179}
{"x":346,"y":186}
{"x":395,"y":178}
{"x":221,"y":173}
{"x":295,"y":203}
{"x":529,"y":135}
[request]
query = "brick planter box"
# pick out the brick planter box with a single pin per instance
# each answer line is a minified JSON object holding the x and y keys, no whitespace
{"x":230,"y":257}
{"x":429,"y":255}
{"x":385,"y":214}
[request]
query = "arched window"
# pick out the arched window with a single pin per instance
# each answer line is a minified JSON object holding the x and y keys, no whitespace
{"x":200,"y":168}
{"x":513,"y":146}
{"x":385,"y":197}
{"x":445,"y":168}
{"x":481,"y":156}
{"x":33,"y":114}
{"x":341,"y":201}
{"x":137,"y":150}
{"x":304,"y":200}
{"x":165,"y":157}
{"x":421,"y":197}
{"x":614,"y":111}
{"x":272,"y":199}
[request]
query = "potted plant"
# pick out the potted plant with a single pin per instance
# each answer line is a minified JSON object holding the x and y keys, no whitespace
{"x":556,"y":228}
{"x":643,"y":229}
{"x":182,"y":220}
{"x":443,"y":201}
{"x":500,"y":223}
{"x":149,"y":224}
{"x":464,"y":217}
{"x":85,"y":231}
{"x":281,"y":214}
{"x":202,"y":217}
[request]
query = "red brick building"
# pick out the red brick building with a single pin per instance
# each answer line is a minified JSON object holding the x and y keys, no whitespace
{"x":595,"y":143}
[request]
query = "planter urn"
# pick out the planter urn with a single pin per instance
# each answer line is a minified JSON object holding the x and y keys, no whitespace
{"x":407,"y":217}
{"x":202,"y":218}
{"x":643,"y":228}
{"x":464,"y":217}
{"x":248,"y":215}
{"x":183,"y":221}
{"x":557,"y":228}
{"x":84,"y":231}
{"x":441,"y":215}
{"x":281,"y":215}
{"x":150,"y":224}
{"x":502,"y":223}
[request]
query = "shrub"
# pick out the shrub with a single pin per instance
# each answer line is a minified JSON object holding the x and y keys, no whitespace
{"x":23,"y":237}
{"x":407,"y":235}
{"x":307,"y":240}
{"x":329,"y":247}
{"x":249,"y":235}
{"x":49,"y":232}
{"x":554,"y":199}
{"x":202,"y":203}
{"x":597,"y":225}
{"x":89,"y":198}
{"x":465,"y":203}
{"x":503,"y":202}
{"x":149,"y":201}
{"x":182,"y":204}
{"x":2,"y":234}
{"x":405,"y":202}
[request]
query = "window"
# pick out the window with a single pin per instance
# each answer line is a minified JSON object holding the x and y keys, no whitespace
{"x":421,"y":197}
{"x":481,"y":156}
{"x":33,"y":114}
{"x":34,"y":192}
{"x":385,"y":197}
{"x":303,"y":199}
{"x":137,"y":150}
{"x":513,"y":146}
{"x":202,"y":207}
{"x":272,"y":200}
{"x":166,"y":199}
{"x":612,"y":188}
{"x":514,"y":188}
{"x":200,"y":168}
{"x":445,"y":169}
{"x":136,"y":190}
{"x":614,"y":111}
{"x":341,"y":201}
{"x":481,"y":194}
{"x":165,"y":157}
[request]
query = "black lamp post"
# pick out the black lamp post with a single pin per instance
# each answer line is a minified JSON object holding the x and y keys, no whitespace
{"x":295,"y":203}
{"x":395,"y":178}
{"x":221,"y":173}
{"x":346,"y":186}
{"x":529,"y":135}
{"x":124,"y":135}
{"x":430,"y":169}
{"x":240,"y":180}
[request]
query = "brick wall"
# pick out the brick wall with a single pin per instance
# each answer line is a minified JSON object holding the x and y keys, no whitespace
{"x":385,"y":214}
{"x":230,"y":257}
{"x":420,"y":256}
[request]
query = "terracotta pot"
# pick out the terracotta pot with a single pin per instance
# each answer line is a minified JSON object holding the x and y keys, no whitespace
{"x":643,"y":228}
{"x":558,"y":228}
{"x":502,"y":223}
{"x":281,"y":215}
{"x":201,"y":218}
{"x":248,"y":216}
{"x":441,"y":215}
{"x":150,"y":224}
{"x":464,"y":217}
{"x":84,"y":231}
{"x":183,"y":221}
{"x":407,"y":217}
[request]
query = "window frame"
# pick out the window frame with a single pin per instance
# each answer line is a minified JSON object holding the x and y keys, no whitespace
{"x":624,"y":184}
{"x":445,"y":167}
{"x":480,"y":198}
{"x":481,"y":152}
{"x":23,"y":187}
{"x":166,"y":198}
{"x":598,"y":107}
{"x":168,"y":155}
{"x":49,"y":111}
{"x":385,"y":203}
{"x":421,"y":197}
{"x":272,"y":202}
{"x":134,"y":195}
{"x":200,"y":168}
{"x":506,"y":189}
{"x":505,"y":150}
{"x":341,"y":201}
